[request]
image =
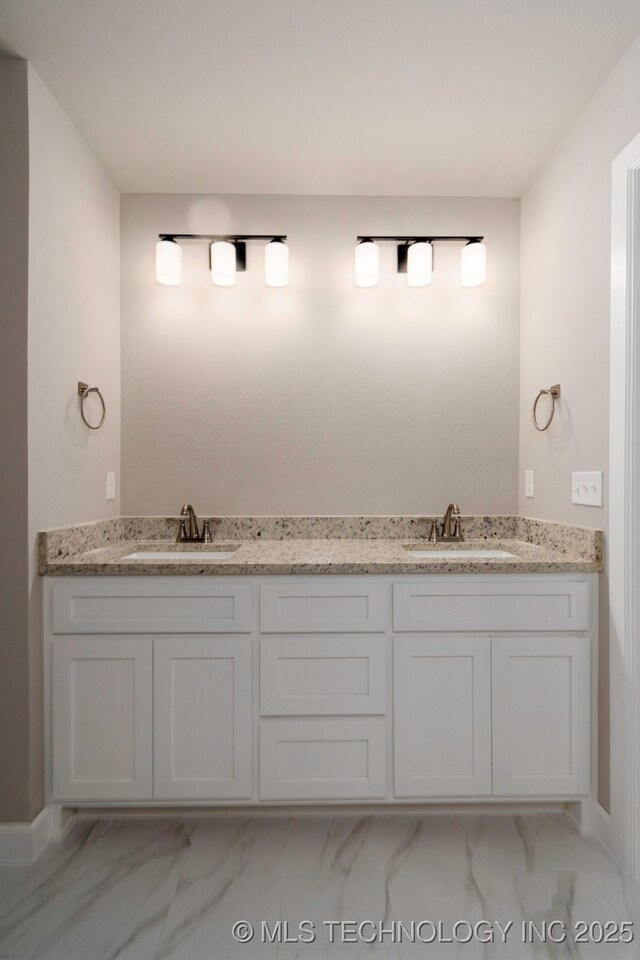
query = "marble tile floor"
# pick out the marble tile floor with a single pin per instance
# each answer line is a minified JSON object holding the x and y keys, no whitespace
{"x":172,"y":889}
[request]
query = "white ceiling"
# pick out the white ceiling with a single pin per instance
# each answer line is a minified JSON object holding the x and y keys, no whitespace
{"x":413,"y":97}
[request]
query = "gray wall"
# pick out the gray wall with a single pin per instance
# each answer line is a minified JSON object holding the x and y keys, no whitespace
{"x":320,"y":398}
{"x":74,"y":334}
{"x":74,"y":319}
{"x":60,"y":297}
{"x":20,"y":793}
{"x":566,"y":230}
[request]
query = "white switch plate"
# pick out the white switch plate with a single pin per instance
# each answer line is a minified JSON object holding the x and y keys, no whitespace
{"x":529,"y":484}
{"x":586,"y":488}
{"x":111,"y":485}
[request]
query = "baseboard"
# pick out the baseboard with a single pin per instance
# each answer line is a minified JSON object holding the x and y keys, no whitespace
{"x":603,"y":830}
{"x":580,"y":815}
{"x":184,"y":811}
{"x":61,"y":819}
{"x":24,"y":842}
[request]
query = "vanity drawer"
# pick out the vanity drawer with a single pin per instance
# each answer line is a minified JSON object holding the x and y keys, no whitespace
{"x":150,"y":605}
{"x":322,"y":759}
{"x":491,"y":604}
{"x":359,"y":606}
{"x":313,"y":676}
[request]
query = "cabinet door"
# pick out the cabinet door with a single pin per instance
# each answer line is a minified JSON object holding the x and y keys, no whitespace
{"x":541,"y":716}
{"x":102,"y":718}
{"x":202,"y":718}
{"x":442,"y":716}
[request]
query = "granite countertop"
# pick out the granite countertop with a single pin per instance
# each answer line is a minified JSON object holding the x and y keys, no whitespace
{"x":320,"y":556}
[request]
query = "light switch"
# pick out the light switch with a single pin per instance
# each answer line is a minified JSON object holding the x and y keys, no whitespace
{"x":586,"y":488}
{"x":529,"y":484}
{"x":111,"y":485}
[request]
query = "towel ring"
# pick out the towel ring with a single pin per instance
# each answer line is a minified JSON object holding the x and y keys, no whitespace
{"x":553,"y":392}
{"x":83,"y":392}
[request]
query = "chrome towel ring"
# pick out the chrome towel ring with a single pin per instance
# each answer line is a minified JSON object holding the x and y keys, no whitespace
{"x":553,"y":392}
{"x":83,"y":392}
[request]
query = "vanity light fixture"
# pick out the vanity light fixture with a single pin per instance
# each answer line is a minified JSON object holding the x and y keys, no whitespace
{"x":473,"y":264}
{"x":227,"y":256}
{"x":276,"y":264}
{"x":223,"y":263}
{"x":366,"y":263}
{"x":168,"y":262}
{"x":419,"y":263}
{"x":415,"y":258}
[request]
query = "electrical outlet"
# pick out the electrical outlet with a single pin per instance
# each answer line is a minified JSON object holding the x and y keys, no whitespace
{"x":111,"y":485}
{"x":529,"y":484}
{"x":586,"y":488}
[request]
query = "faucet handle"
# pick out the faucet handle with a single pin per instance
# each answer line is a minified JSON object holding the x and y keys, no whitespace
{"x":181,"y":535}
{"x":206,"y":531}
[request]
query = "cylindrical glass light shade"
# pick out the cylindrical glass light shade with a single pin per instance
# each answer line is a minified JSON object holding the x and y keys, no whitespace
{"x":366,"y":264}
{"x":473,"y":264}
{"x":419,"y":264}
{"x":276,"y":264}
{"x":223,"y":263}
{"x":168,"y":262}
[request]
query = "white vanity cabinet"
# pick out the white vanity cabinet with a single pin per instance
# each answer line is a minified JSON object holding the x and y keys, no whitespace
{"x":102,"y":716}
{"x":541,"y":715}
{"x":202,"y":700}
{"x":491,"y":716}
{"x":336,"y":689}
{"x":299,"y":689}
{"x":442,"y":716}
{"x":165,"y":718}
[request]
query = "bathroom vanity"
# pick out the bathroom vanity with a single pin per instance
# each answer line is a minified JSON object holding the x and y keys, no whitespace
{"x":393,"y":687}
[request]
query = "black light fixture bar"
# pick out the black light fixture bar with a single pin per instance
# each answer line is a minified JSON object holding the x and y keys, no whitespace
{"x":231,"y":237}
{"x":237,"y":239}
{"x":405,"y":243}
{"x":421,"y":239}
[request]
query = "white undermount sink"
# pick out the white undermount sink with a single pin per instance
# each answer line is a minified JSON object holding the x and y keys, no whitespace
{"x":180,"y":555}
{"x":460,"y":554}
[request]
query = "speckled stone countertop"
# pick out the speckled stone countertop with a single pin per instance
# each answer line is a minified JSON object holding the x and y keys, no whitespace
{"x":559,"y":549}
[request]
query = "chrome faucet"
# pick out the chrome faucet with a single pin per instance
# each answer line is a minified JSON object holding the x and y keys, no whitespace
{"x":188,"y":530}
{"x":450,"y":528}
